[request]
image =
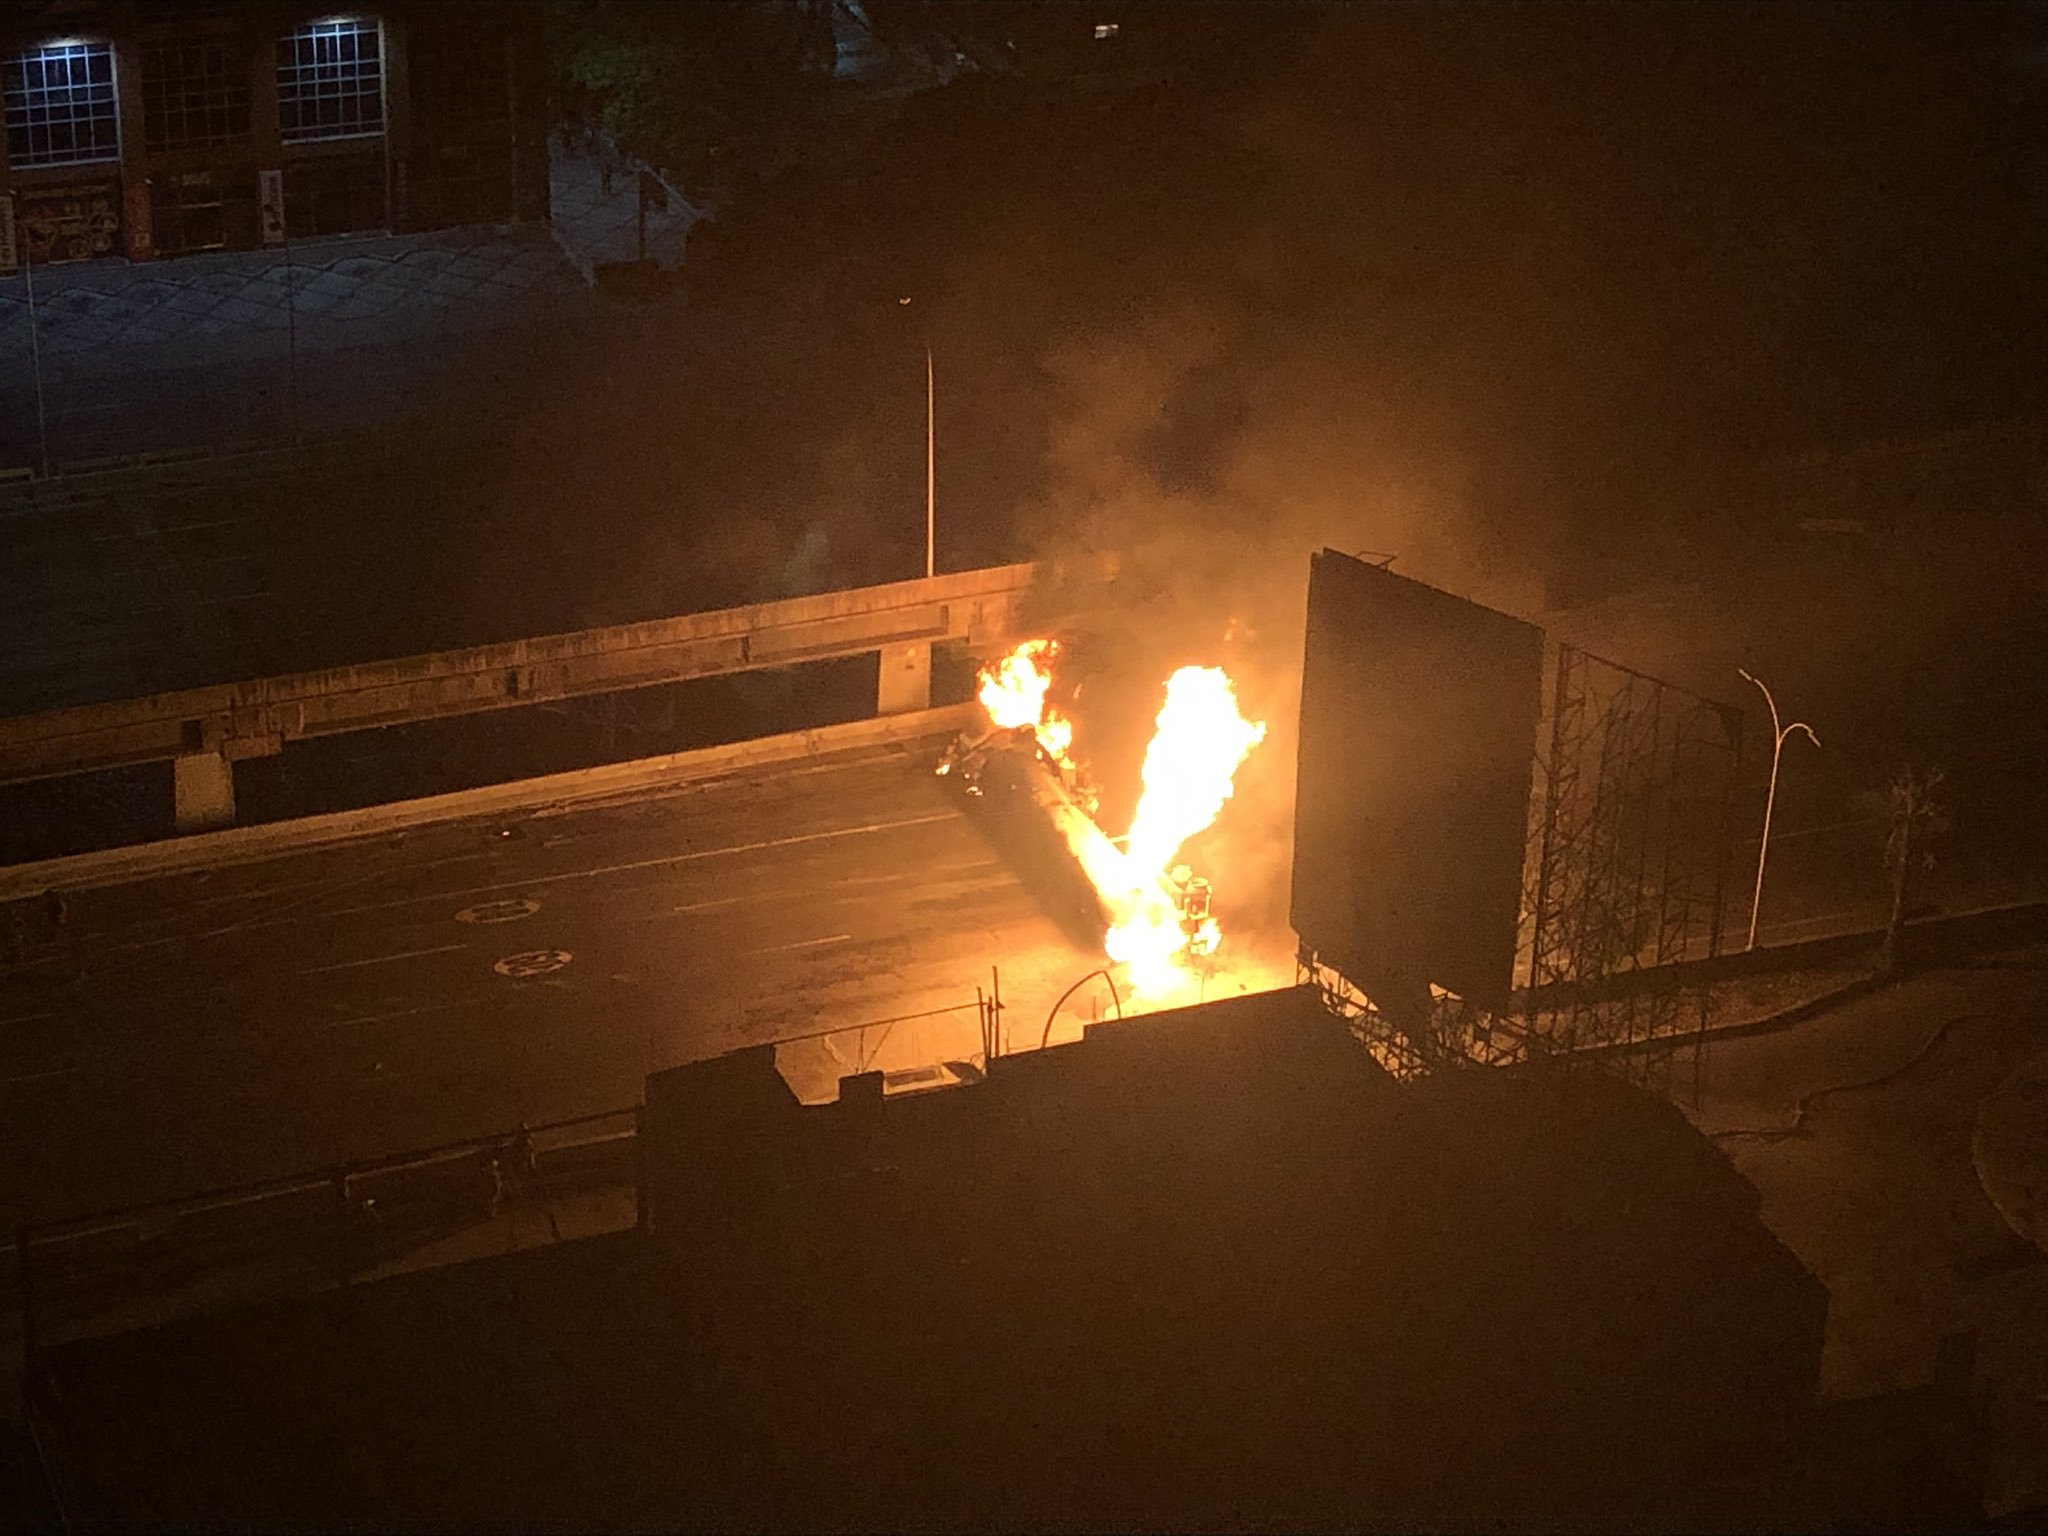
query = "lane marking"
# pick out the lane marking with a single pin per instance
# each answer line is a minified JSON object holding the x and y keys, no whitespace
{"x":406,"y":1013}
{"x":407,"y":954}
{"x":776,"y":949}
{"x":497,"y":912}
{"x":533,"y":962}
{"x":37,"y":1077}
{"x":656,"y":863}
{"x":296,"y":908}
{"x":26,"y":1018}
{"x":219,"y":522}
{"x":722,"y":901}
{"x":827,"y":890}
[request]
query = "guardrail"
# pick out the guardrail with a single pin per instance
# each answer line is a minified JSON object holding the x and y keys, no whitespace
{"x":143,"y":1264}
{"x":254,"y":718}
{"x":204,"y":731}
{"x":134,"y":1265}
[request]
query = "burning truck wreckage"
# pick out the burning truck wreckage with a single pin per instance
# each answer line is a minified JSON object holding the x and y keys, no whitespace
{"x":1152,"y":912}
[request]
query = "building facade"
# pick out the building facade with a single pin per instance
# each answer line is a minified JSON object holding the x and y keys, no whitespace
{"x":147,"y":129}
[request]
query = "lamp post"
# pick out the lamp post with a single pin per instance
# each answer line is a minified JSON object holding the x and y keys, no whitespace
{"x":931,"y":479}
{"x":35,"y":348}
{"x":931,"y":482}
{"x":1778,"y":735}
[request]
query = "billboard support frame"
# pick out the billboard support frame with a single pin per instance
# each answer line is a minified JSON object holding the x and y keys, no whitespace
{"x":1632,"y":860}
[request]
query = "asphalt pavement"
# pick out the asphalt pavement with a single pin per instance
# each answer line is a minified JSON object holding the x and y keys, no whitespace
{"x":204,"y":1029}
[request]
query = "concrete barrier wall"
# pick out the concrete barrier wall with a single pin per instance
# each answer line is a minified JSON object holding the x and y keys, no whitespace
{"x":248,"y":845}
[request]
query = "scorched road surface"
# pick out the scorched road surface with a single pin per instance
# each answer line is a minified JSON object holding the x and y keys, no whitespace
{"x":195,"y":1030}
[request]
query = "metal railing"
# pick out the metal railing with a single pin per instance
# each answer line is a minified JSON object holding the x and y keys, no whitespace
{"x":133,"y":1265}
{"x":926,"y":1048}
{"x":136,"y":1265}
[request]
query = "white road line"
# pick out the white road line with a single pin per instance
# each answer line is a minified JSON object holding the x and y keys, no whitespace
{"x":406,"y":1013}
{"x":408,"y":954}
{"x":812,"y":891}
{"x":37,"y":1077}
{"x":658,"y":863}
{"x":776,"y":949}
{"x":26,"y":1018}
{"x":219,"y":522}
{"x":296,"y":908}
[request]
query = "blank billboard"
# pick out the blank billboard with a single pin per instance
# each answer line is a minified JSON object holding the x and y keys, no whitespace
{"x":1418,"y":734}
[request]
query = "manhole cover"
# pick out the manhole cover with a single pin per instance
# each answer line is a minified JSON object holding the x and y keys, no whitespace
{"x":533,"y":962}
{"x":498,"y":911}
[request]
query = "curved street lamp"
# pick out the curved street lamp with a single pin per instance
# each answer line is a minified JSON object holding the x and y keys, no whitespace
{"x":1778,"y":735}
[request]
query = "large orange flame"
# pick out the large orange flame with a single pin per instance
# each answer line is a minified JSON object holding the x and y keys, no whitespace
{"x":1190,"y":769}
{"x":1200,"y":741}
{"x":1013,"y":692}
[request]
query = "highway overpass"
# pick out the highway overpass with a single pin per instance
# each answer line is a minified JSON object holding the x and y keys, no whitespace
{"x":203,"y":732}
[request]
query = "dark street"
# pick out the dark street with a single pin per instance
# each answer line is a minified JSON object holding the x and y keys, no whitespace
{"x":1446,"y":601}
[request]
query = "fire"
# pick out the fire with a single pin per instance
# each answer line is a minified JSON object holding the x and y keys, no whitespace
{"x":1158,"y":911}
{"x":1013,"y":692}
{"x":1191,"y":764}
{"x":1200,"y":741}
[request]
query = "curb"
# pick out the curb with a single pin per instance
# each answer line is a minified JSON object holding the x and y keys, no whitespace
{"x":2018,"y":1207}
{"x":249,"y":845}
{"x":1785,"y":1018}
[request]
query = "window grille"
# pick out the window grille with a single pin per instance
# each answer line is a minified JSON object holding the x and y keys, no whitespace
{"x":60,"y":105}
{"x":330,"y":81}
{"x":195,"y":94}
{"x":188,"y":213}
{"x":335,"y":195}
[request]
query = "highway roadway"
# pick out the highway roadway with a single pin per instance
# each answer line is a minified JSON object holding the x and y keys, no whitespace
{"x":199,"y":1029}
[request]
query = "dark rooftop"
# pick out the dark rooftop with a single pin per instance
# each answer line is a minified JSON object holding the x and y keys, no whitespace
{"x":1204,"y":1269}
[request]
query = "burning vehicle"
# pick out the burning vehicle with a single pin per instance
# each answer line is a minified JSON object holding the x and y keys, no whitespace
{"x":1152,"y":913}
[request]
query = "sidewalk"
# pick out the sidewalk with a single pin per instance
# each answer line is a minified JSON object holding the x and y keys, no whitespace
{"x":241,"y":303}
{"x":595,"y":201}
{"x":226,"y":347}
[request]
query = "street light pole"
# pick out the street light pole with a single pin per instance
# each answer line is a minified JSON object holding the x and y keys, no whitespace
{"x":1778,"y":735}
{"x":35,"y":348}
{"x":931,"y":481}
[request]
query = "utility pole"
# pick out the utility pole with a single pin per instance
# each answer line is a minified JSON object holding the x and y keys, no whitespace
{"x":1778,"y":735}
{"x":35,"y":350}
{"x":931,"y":479}
{"x":291,"y":334}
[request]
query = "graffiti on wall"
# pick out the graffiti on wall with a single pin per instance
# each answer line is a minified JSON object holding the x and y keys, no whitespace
{"x":74,"y":222}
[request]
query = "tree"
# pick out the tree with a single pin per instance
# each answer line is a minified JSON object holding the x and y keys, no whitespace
{"x":689,"y":88}
{"x":1917,"y":818}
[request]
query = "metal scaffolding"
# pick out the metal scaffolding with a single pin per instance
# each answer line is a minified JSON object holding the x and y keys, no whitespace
{"x":1625,"y":870}
{"x":1630,"y":862}
{"x":1457,"y":1033}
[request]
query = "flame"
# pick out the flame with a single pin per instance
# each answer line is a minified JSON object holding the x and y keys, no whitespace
{"x":1190,"y":770}
{"x":1013,"y":692}
{"x":1190,"y":767}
